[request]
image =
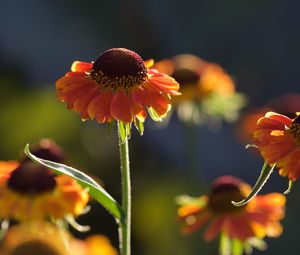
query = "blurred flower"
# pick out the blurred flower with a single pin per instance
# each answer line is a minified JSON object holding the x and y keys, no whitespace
{"x":43,"y":238}
{"x":31,"y":191}
{"x":96,"y":245}
{"x":247,"y":124}
{"x":119,"y":85}
{"x":278,"y":139}
{"x":286,"y":104}
{"x":47,"y":149}
{"x":259,"y":218}
{"x":208,"y":92}
{"x":36,"y":238}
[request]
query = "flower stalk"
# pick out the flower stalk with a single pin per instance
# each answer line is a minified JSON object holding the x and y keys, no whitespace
{"x":125,"y":222}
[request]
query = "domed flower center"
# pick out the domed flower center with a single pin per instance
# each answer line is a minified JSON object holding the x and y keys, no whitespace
{"x":30,"y":178}
{"x":223,"y":192}
{"x":185,"y":77}
{"x":119,"y":67}
{"x":295,"y":128}
{"x":35,"y":247}
{"x":46,"y":149}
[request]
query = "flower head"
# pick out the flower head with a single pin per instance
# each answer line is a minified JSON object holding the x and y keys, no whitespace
{"x":119,"y":85}
{"x":259,"y":218}
{"x":35,"y":238}
{"x":40,"y":237}
{"x":95,"y":245}
{"x":287,"y":105}
{"x":278,"y":139}
{"x":31,"y":191}
{"x":207,"y":90}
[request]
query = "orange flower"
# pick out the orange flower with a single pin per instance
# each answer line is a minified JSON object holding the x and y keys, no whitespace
{"x":286,"y":104}
{"x":119,"y":85}
{"x":247,"y":124}
{"x":259,"y":218}
{"x":207,"y":90}
{"x":30,"y":191}
{"x":278,"y":139}
{"x":96,"y":245}
{"x":36,"y":237}
{"x":40,"y":237}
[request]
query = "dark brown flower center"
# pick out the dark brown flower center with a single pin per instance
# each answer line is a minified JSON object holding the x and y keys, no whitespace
{"x":47,"y":149}
{"x":119,"y":67}
{"x":295,"y":128}
{"x":185,"y":76}
{"x":225,"y":190}
{"x":35,"y":247}
{"x":31,"y":178}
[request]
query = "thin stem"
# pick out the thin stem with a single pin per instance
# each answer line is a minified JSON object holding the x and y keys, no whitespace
{"x":125,"y":223}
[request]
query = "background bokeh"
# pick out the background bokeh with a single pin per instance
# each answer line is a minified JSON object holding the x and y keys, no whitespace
{"x":257,"y":42}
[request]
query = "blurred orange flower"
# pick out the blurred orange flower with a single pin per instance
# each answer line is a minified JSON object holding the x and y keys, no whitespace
{"x":259,"y":218}
{"x":96,"y":245}
{"x":207,"y":90}
{"x":43,"y":238}
{"x":31,"y":191}
{"x":278,"y":139}
{"x":247,"y":124}
{"x":119,"y":85}
{"x":35,"y":238}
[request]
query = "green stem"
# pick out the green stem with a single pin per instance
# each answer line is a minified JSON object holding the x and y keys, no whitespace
{"x":125,"y":223}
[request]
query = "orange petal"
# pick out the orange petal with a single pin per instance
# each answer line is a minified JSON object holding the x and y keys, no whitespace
{"x":268,"y":123}
{"x":279,"y":117}
{"x":99,"y":108}
{"x":164,"y":84}
{"x":138,"y":111}
{"x":82,"y":103}
{"x":238,"y":227}
{"x":194,"y":223}
{"x":79,"y":66}
{"x":291,"y":164}
{"x":72,"y":96}
{"x":6,"y":167}
{"x":214,"y":229}
{"x":160,"y":104}
{"x":140,"y":96}
{"x":148,"y":63}
{"x":187,"y":210}
{"x":70,"y":79}
{"x":120,"y":107}
{"x":274,"y":152}
{"x":271,"y":200}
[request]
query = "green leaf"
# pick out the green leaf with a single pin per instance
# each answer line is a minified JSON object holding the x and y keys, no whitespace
{"x":265,"y":173}
{"x":128,"y":130}
{"x":187,"y":200}
{"x":154,"y":115}
{"x":95,"y":190}
{"x":289,"y":187}
{"x":225,"y":244}
{"x":139,"y":126}
{"x":237,"y":247}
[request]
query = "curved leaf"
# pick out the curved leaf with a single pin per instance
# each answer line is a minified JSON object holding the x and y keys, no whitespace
{"x":289,"y":187}
{"x":95,"y":190}
{"x":263,"y":177}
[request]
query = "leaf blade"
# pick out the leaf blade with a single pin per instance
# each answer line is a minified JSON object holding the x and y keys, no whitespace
{"x":95,"y":190}
{"x":265,"y":173}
